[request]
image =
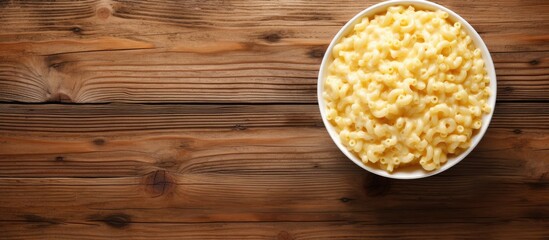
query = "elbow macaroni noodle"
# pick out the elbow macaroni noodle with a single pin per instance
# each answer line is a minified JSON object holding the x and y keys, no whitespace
{"x":407,"y":87}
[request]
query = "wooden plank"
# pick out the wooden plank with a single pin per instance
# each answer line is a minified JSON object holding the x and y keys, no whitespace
{"x":176,"y":171}
{"x":275,"y":75}
{"x":126,"y":140}
{"x":179,"y":168}
{"x":104,"y":118}
{"x":99,"y":18}
{"x":214,"y":188}
{"x":231,"y":51}
{"x":101,"y":119}
{"x":248,"y":191}
{"x":269,"y":230}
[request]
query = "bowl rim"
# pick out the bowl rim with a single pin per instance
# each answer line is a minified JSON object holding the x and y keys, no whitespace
{"x":477,"y":40}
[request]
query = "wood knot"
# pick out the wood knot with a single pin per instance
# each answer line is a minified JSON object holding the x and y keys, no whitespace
{"x":56,"y":65}
{"x":77,"y":30}
{"x":59,"y":159}
{"x":316,"y":53}
{"x":534,"y":62}
{"x":39,"y":221}
{"x":60,"y":97}
{"x":118,"y":220}
{"x":159,"y":183}
{"x":376,"y":186}
{"x":517,"y":131}
{"x":99,"y":142}
{"x":103,"y":12}
{"x":239,"y":127}
{"x":508,"y":89}
{"x":273,"y":37}
{"x":55,"y":62}
{"x":283,"y":235}
{"x":345,"y":200}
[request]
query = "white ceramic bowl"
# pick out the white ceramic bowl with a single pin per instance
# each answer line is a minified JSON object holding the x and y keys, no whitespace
{"x":407,"y":173}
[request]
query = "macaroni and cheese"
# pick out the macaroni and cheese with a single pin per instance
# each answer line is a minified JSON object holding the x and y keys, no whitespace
{"x":407,"y":87}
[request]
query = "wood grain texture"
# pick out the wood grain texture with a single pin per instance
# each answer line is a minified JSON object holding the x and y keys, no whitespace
{"x":276,"y":230}
{"x":198,"y":120}
{"x":91,"y":140}
{"x":271,"y":168}
{"x":83,"y":120}
{"x":222,"y":51}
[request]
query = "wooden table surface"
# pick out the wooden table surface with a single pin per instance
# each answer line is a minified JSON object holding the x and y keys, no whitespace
{"x":129,"y":119}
